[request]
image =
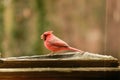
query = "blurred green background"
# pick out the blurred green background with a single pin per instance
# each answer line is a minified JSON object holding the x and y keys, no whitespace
{"x":89,"y":25}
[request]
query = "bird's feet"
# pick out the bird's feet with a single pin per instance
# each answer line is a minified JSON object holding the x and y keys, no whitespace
{"x":50,"y":54}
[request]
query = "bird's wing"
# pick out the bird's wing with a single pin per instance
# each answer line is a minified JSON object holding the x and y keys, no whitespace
{"x":58,"y":42}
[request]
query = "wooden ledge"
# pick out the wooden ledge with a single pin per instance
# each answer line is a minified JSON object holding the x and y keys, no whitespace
{"x":104,"y":73}
{"x":73,"y":59}
{"x":66,"y":66}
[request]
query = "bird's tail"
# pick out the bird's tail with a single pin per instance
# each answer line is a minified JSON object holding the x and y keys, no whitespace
{"x":76,"y":50}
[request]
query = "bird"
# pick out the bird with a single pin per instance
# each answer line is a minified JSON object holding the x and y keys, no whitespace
{"x":55,"y":44}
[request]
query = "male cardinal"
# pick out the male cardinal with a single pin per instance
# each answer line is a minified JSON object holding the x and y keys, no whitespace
{"x":55,"y":44}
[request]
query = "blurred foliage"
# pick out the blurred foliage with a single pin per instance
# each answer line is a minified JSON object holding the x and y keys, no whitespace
{"x":28,"y":19}
{"x":81,"y":23}
{"x":40,"y":7}
{"x":1,"y":24}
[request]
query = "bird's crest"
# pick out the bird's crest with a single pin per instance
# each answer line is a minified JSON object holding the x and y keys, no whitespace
{"x":45,"y":34}
{"x":48,"y":32}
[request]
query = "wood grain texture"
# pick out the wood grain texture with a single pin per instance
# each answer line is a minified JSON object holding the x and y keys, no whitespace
{"x":88,"y":73}
{"x":73,"y":59}
{"x":70,"y":66}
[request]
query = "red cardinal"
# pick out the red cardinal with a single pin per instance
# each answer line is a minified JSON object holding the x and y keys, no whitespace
{"x":55,"y":44}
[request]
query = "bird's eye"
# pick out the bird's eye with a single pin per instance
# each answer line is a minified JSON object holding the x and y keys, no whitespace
{"x":44,"y":37}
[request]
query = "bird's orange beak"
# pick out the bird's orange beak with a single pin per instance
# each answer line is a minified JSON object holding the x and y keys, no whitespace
{"x":42,"y":36}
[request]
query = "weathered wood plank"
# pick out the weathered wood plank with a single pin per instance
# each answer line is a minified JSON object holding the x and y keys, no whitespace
{"x":60,"y":60}
{"x":58,"y":63}
{"x":60,"y":73}
{"x":70,"y":66}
